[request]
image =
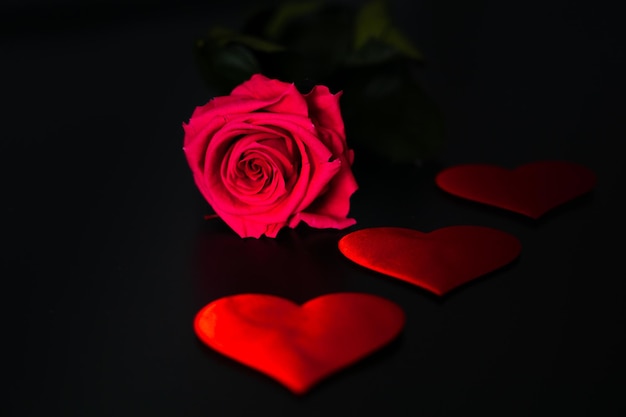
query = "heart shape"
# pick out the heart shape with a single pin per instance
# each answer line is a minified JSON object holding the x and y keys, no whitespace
{"x":531,"y":189}
{"x":438,"y":261}
{"x":298,"y":345}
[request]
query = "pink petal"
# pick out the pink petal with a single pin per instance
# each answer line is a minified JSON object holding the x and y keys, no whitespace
{"x":280,"y":97}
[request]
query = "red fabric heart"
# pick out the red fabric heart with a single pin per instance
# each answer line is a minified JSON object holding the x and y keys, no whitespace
{"x":437,"y":261}
{"x":298,"y":345}
{"x":531,"y":189}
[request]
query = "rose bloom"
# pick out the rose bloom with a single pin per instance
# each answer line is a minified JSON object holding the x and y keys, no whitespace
{"x":267,"y":157}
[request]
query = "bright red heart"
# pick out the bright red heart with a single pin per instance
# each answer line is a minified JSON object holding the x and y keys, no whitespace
{"x":298,"y":345}
{"x":531,"y":189}
{"x":437,"y":261}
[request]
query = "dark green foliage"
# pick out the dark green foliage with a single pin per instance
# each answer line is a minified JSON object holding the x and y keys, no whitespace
{"x":355,"y":50}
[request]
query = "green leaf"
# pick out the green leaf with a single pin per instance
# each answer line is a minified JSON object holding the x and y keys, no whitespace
{"x":393,"y":37}
{"x":373,"y":52}
{"x":225,"y":66}
{"x":224,"y":36}
{"x":371,"y":22}
{"x":287,"y":13}
{"x":393,"y":117}
{"x":235,"y":59}
{"x":374,"y":24}
{"x":316,"y":46}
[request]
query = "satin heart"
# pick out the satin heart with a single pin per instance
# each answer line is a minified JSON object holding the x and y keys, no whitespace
{"x":299,"y":345}
{"x":438,"y":261}
{"x":531,"y":189}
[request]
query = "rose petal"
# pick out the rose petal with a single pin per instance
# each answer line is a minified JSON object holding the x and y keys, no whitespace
{"x":336,"y":201}
{"x":266,"y":157}
{"x":316,"y":171}
{"x":220,"y":149}
{"x":280,"y":97}
{"x":324,"y":109}
{"x":320,"y":221}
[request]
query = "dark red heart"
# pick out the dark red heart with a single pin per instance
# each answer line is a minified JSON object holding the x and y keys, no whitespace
{"x":437,"y":261}
{"x":531,"y":189}
{"x":299,"y":345}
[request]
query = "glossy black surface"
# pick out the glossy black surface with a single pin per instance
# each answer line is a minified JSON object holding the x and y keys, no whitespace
{"x":107,"y":257}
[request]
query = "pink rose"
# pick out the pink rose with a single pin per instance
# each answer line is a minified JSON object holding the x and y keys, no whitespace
{"x":267,"y":156}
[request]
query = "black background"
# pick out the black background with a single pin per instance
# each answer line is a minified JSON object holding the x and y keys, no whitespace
{"x":107,"y":257}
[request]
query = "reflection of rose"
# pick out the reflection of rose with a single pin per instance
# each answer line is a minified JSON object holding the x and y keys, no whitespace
{"x":303,"y":264}
{"x":267,"y":156}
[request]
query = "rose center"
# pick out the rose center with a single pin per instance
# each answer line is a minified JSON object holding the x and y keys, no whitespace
{"x":261,"y":170}
{"x":254,"y":171}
